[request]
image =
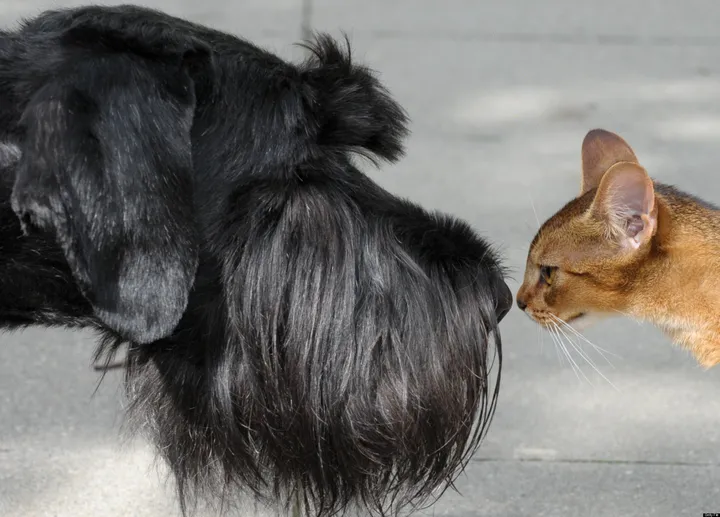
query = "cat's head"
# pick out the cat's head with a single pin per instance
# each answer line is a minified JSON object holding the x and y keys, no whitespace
{"x":583,"y":260}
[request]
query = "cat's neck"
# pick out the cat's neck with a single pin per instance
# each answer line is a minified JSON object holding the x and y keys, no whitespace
{"x":678,"y":288}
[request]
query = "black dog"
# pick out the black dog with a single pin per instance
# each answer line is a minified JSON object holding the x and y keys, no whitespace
{"x":293,"y":330}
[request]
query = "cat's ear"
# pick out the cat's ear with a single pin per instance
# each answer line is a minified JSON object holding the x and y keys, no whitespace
{"x":625,"y":201}
{"x":601,"y":150}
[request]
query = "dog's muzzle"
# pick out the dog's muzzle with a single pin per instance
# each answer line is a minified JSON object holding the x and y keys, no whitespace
{"x":503,"y":299}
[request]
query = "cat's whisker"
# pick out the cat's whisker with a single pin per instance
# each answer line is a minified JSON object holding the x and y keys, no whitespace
{"x":561,"y":333}
{"x":576,"y":367}
{"x":581,"y":352}
{"x":592,"y":364}
{"x":557,"y":348}
{"x":575,"y":347}
{"x":600,"y":350}
{"x":532,"y":204}
{"x":540,"y":339}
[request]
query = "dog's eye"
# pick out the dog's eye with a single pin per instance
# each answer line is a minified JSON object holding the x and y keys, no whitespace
{"x":547,"y":274}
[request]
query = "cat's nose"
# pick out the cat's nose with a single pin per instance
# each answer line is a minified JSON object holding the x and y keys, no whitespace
{"x":521,"y":303}
{"x":504,"y":299}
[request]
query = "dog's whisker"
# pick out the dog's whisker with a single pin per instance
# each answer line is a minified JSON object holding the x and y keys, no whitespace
{"x":110,"y":366}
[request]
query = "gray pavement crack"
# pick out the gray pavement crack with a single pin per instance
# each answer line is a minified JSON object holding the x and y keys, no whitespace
{"x":598,"y":461}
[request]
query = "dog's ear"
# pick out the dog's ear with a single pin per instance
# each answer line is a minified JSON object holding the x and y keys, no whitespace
{"x":351,"y":108}
{"x":107,"y":166}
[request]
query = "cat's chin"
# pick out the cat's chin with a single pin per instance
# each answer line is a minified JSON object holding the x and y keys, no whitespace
{"x":584,"y":321}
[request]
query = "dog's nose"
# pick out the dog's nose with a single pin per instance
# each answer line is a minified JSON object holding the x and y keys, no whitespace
{"x":504,"y":299}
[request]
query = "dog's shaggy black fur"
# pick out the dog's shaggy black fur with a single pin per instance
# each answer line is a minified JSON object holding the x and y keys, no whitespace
{"x":293,"y":329}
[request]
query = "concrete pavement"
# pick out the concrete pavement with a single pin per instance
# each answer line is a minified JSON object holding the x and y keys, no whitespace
{"x":501,"y":95}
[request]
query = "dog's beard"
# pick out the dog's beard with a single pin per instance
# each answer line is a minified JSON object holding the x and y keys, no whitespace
{"x":334,"y":342}
{"x":353,"y":366}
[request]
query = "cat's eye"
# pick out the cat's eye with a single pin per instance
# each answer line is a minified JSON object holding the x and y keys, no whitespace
{"x":547,"y":274}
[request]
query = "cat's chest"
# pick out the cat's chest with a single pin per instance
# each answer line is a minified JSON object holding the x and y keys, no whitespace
{"x":703,"y":340}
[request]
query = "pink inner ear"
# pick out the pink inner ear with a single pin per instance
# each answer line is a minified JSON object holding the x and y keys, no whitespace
{"x":626,"y":198}
{"x":634,"y":226}
{"x":629,"y":194}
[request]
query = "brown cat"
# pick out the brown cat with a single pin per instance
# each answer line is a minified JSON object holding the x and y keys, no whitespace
{"x":632,"y":246}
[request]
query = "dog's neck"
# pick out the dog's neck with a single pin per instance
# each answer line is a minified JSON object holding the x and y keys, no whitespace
{"x":36,"y":284}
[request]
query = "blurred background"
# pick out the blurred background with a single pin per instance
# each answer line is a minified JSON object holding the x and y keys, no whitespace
{"x":501,"y":94}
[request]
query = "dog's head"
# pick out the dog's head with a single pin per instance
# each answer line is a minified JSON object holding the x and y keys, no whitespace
{"x":294,"y":328}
